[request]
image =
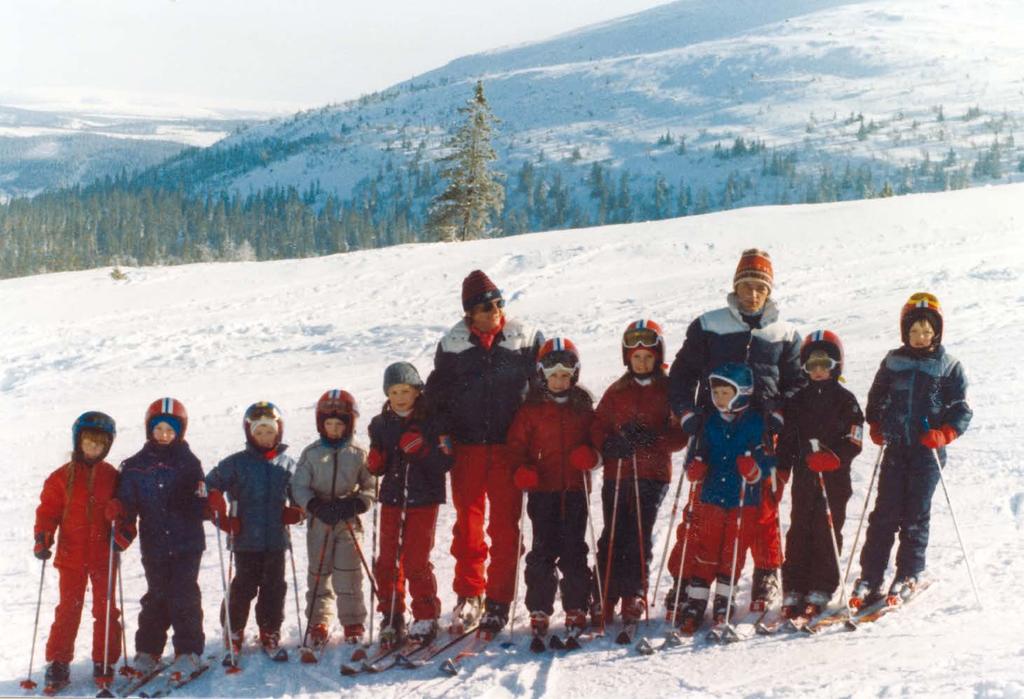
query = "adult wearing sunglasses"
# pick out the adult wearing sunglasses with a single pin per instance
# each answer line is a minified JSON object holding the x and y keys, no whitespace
{"x":482,"y":369}
{"x":748,"y":330}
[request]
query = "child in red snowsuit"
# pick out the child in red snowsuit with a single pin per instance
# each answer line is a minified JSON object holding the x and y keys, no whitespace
{"x":73,"y":500}
{"x":550,"y":444}
{"x":412,"y":460}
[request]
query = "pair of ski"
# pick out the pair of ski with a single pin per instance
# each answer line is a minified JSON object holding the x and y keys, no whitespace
{"x":410,"y":654}
{"x":720,"y":632}
{"x":139,"y":683}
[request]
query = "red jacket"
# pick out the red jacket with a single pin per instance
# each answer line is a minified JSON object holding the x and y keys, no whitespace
{"x":76,"y":507}
{"x":544,"y":433}
{"x":627,"y":401}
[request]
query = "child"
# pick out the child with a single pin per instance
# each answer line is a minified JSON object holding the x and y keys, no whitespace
{"x":632,"y":427}
{"x":411,"y":459}
{"x":549,"y":441}
{"x":332,"y":484}
{"x":162,"y":486}
{"x":73,"y":500}
{"x":916,"y":406}
{"x":729,"y":456}
{"x":822,"y":436}
{"x":256,"y":480}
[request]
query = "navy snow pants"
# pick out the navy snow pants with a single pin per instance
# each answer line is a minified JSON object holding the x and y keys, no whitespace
{"x":559,"y":528}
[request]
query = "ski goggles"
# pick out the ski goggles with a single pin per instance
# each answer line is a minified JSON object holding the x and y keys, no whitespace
{"x":488,"y":306}
{"x":923,"y":299}
{"x":640,"y":337}
{"x":558,"y":361}
{"x":263,"y":414}
{"x":819,"y":363}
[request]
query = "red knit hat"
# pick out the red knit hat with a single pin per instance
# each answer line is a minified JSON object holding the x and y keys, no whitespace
{"x":477,"y":287}
{"x":755,"y":265}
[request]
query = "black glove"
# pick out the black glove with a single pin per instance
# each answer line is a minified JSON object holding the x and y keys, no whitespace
{"x":691,"y":421}
{"x":638,"y":435}
{"x":322,"y":510}
{"x":44,"y":540}
{"x":616,"y":447}
{"x":349,"y":507}
{"x":330,"y":512}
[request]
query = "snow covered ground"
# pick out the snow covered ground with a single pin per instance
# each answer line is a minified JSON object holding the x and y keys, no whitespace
{"x":220,"y":336}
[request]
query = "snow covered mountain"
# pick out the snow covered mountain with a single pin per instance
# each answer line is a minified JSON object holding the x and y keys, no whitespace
{"x":221,"y":336}
{"x":850,"y":94}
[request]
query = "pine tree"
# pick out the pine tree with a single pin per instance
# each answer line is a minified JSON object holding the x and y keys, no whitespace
{"x":475,"y":193}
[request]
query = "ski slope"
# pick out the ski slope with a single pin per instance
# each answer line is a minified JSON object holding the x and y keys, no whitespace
{"x":221,"y":336}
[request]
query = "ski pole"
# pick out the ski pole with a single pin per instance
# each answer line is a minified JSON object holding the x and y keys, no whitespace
{"x":831,"y":525}
{"x":126,"y":669}
{"x":323,"y":554}
{"x":956,"y":528}
{"x":640,"y":541}
{"x":105,"y":689}
{"x":863,"y":514}
{"x":295,"y":582}
{"x":735,"y":551}
{"x":398,"y":548}
{"x":593,"y":542}
{"x":672,"y":522}
{"x":373,"y":545}
{"x":611,"y":545}
{"x":227,"y":599}
{"x":27,"y":683}
{"x":688,"y":519}
{"x":515,"y":584}
{"x":362,"y":559}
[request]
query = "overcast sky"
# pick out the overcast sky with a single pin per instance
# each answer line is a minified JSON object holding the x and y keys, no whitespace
{"x":257,"y":54}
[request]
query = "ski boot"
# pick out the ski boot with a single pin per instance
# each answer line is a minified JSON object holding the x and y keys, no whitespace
{"x":692,"y":614}
{"x":57,"y":677}
{"x":144,"y":664}
{"x":816,"y":602}
{"x":672,"y":608}
{"x":235,"y":642}
{"x":792,"y":605}
{"x":539,"y":624}
{"x":102,"y":675}
{"x":720,"y":609}
{"x":864,"y":594}
{"x":494,"y":619}
{"x":270,"y":640}
{"x":319,"y":635}
{"x":423,"y":630}
{"x":353,"y":633}
{"x":466,"y":614}
{"x":901,"y":590}
{"x":185,"y":665}
{"x":764,"y":589}
{"x":392,"y":631}
{"x":633,"y":609}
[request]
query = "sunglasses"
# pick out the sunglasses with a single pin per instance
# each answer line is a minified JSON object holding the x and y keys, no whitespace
{"x":820,"y":363}
{"x":640,"y":337}
{"x":489,"y":306}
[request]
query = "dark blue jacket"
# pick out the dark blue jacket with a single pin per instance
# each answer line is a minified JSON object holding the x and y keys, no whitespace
{"x":261,"y":489}
{"x":426,"y":471}
{"x":911,"y":387}
{"x":772,"y":351}
{"x":719,"y":444}
{"x":158,"y":485}
{"x":475,"y":392}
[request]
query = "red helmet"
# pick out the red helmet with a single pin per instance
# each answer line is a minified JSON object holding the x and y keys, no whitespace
{"x":558,"y":353}
{"x":644,"y":334}
{"x":169,"y":410}
{"x":827,"y":341}
{"x":921,"y":306}
{"x":336,"y":403}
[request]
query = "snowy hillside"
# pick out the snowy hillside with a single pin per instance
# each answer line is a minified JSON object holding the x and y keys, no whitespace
{"x":221,"y":336}
{"x":910,"y":92}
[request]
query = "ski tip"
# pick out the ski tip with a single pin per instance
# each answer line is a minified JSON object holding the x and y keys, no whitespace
{"x":105,"y":693}
{"x":348,"y":671}
{"x":644,"y":647}
{"x":572,"y":643}
{"x":449,"y":668}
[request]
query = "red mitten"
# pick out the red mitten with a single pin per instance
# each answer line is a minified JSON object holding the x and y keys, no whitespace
{"x":291,"y":514}
{"x":583,"y":458}
{"x":748,"y":469}
{"x":411,"y":442}
{"x":525,"y":478}
{"x":375,"y":461}
{"x":936,"y":439}
{"x":876,"y":433}
{"x":697,"y":470}
{"x":823,"y":461}
{"x":230,"y":525}
{"x":113,"y":510}
{"x":215,"y":501}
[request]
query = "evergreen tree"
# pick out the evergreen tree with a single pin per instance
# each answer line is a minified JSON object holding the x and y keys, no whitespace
{"x":475,"y":192}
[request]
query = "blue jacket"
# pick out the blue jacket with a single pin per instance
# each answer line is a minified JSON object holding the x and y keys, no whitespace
{"x":158,"y":485}
{"x":911,"y":387}
{"x":426,"y":471}
{"x":261,"y":488}
{"x":772,"y":351}
{"x":475,"y":392}
{"x":720,"y":443}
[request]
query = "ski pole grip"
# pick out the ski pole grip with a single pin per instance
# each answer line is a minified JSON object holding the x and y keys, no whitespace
{"x":815,"y":445}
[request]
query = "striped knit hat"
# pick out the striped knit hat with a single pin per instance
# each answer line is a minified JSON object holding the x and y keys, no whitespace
{"x":755,"y":265}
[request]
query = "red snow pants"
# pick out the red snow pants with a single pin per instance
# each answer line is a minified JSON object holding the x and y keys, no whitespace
{"x":766,"y":543}
{"x":414,"y":565}
{"x":483,"y":474}
{"x":68,"y":615}
{"x":712,"y":534}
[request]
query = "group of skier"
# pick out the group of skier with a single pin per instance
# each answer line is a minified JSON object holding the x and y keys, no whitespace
{"x":504,"y":414}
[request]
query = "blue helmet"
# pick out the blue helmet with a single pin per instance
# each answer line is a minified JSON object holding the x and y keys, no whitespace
{"x":92,"y":420}
{"x":741,"y":378}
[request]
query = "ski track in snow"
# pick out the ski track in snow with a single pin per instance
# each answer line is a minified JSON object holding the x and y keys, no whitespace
{"x":220,"y":336}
